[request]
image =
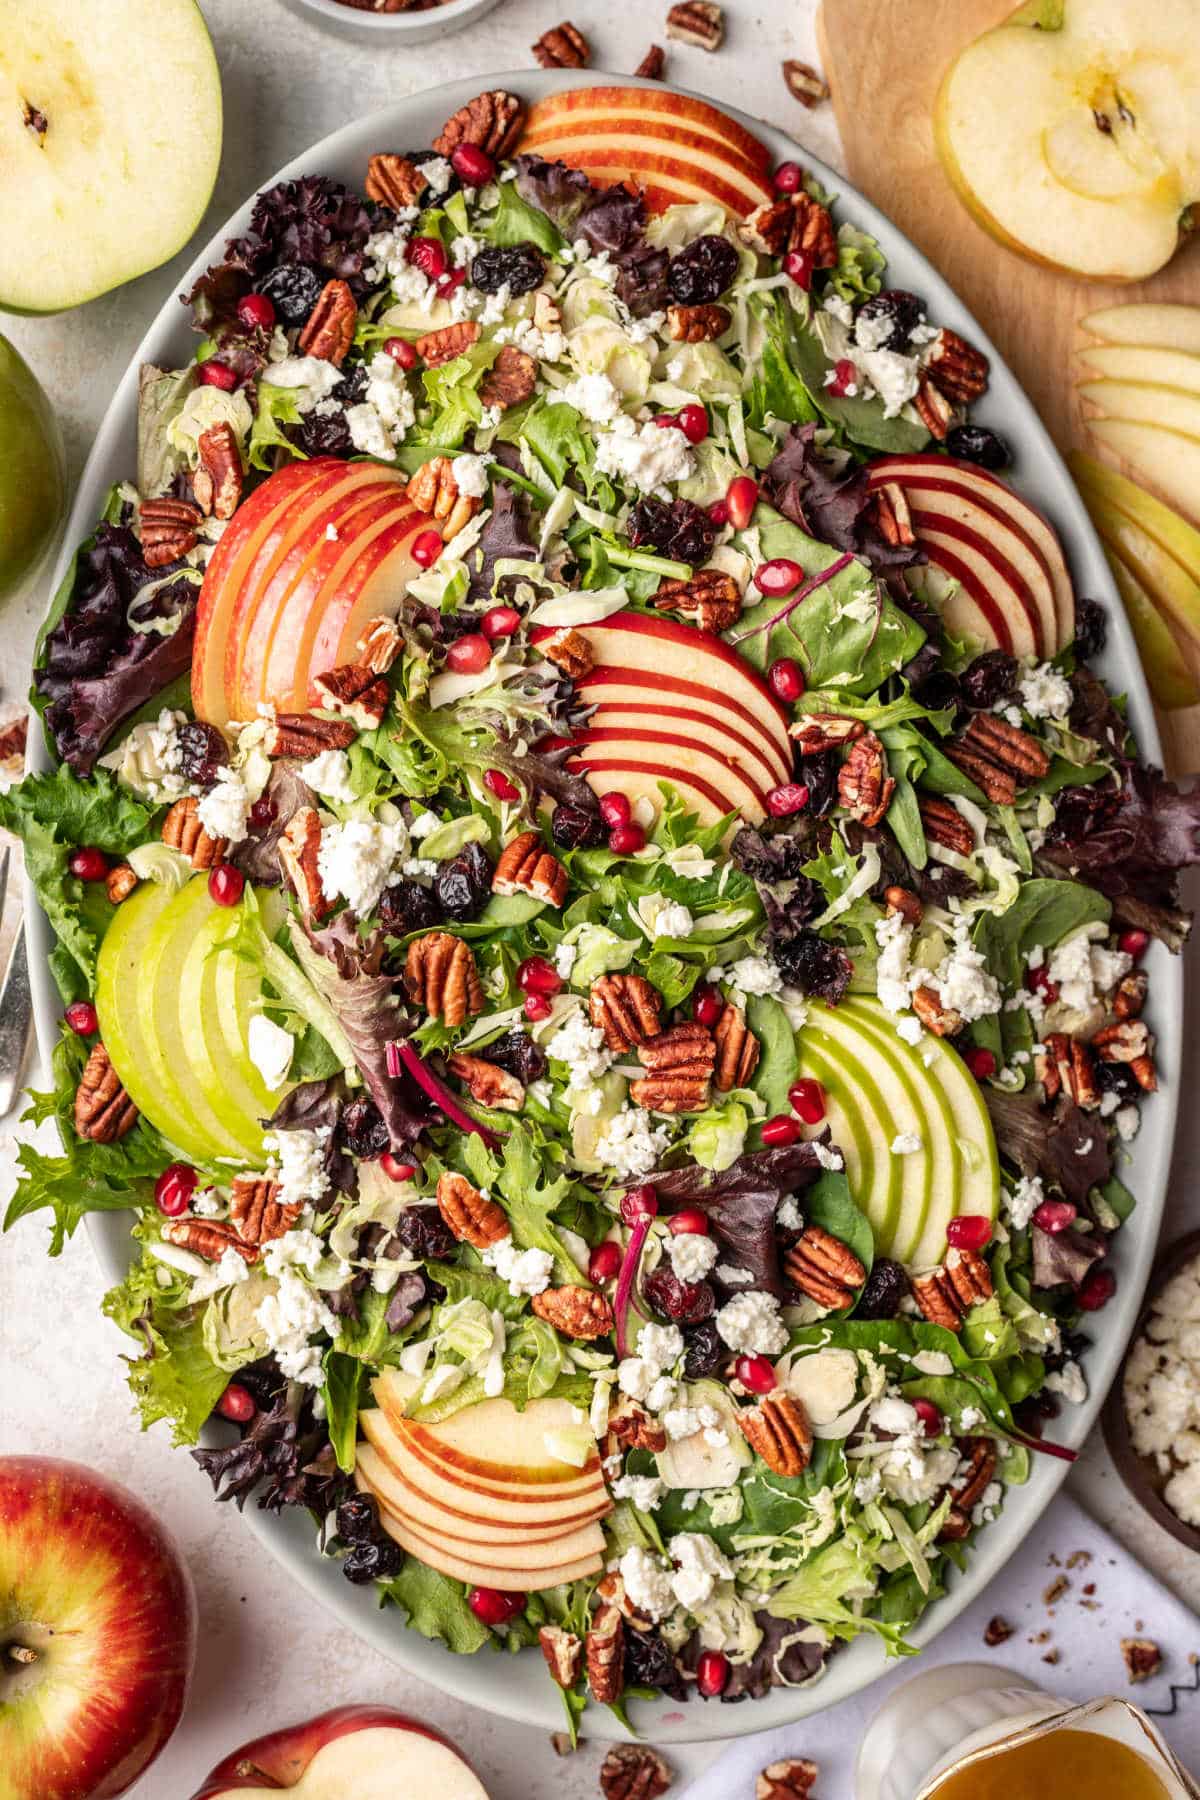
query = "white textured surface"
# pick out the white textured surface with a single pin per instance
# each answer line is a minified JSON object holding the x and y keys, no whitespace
{"x":266,"y":1654}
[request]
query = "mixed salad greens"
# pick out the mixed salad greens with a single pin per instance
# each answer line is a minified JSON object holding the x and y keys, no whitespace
{"x":776,"y":1140}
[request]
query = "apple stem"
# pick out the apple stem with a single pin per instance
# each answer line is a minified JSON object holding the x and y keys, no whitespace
{"x":802,"y":593}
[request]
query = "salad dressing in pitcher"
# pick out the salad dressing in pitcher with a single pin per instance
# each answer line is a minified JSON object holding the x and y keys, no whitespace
{"x":1058,"y":1765}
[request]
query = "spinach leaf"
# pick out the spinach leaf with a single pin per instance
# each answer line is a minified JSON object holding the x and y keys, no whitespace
{"x":1043,"y":913}
{"x":343,"y":1375}
{"x":828,"y":1204}
{"x":777,"y":1059}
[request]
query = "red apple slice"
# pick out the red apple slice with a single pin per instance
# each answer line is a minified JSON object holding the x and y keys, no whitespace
{"x":486,"y":1574}
{"x":941,"y":506}
{"x":670,"y":755}
{"x":711,"y":725}
{"x":367,"y":1752}
{"x":522,"y":1506}
{"x":667,"y":697}
{"x":375,"y":1475}
{"x":658,"y":107}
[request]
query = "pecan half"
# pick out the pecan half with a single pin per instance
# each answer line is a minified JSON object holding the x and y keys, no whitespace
{"x":698,"y":22}
{"x":578,"y":1312}
{"x":119,"y":883}
{"x":633,"y":1428}
{"x":563,"y":1652}
{"x":1129,"y":999}
{"x":998,"y":784}
{"x":442,"y":346}
{"x":936,"y":1300}
{"x":394,"y":181}
{"x":256,"y":1211}
{"x":488,"y":1084}
{"x":571,"y":652}
{"x":934,"y":1014}
{"x":626,"y":1009}
{"x":777,"y":1429}
{"x":804,"y":83}
{"x":696,"y":324}
{"x":903,"y":901}
{"x":491,"y":120}
{"x":979,"y":1454}
{"x":510,"y":380}
{"x":471,"y":1218}
{"x":217,"y":483}
{"x":933,"y":408}
{"x":1010,"y":750}
{"x":821,"y":1266}
{"x":354,"y":691}
{"x":305,"y":735}
{"x":815,"y":732}
{"x":680,"y":1063}
{"x":435,"y":491}
{"x":182,"y":830}
{"x":768,"y":227}
{"x":710,"y":597}
{"x":103,"y":1110}
{"x":737,"y":1049}
{"x":945,"y":825}
{"x":892,"y":514}
{"x":379,"y":645}
{"x":634,"y":1772}
{"x":440,"y":975}
{"x":604,"y":1656}
{"x":791,"y":1779}
{"x":329,"y":329}
{"x":812,"y":232}
{"x":1143,"y":1658}
{"x":956,"y":367}
{"x":562,"y":47}
{"x":653,"y":64}
{"x":298,"y":851}
{"x":1068,"y":1063}
{"x":166,"y":530}
{"x":525,"y":866}
{"x":947,"y":1294}
{"x":865,"y":788}
{"x":209,"y":1238}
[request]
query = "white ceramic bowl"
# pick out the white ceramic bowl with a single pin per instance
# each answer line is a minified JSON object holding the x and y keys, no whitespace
{"x":518,"y":1686}
{"x":398,"y":28}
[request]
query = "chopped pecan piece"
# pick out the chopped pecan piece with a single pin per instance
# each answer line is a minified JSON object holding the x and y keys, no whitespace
{"x":633,"y":1772}
{"x":804,"y":83}
{"x":821,"y":1266}
{"x":947,"y":1294}
{"x":443,"y":345}
{"x":435,"y":491}
{"x":471,"y":1218}
{"x":563,"y":1652}
{"x":737,"y":1049}
{"x":440,"y":975}
{"x":1068,"y":1063}
{"x":612,"y":1589}
{"x":354,"y":691}
{"x":1143,"y":1658}
{"x":626,"y":1009}
{"x":527,"y":867}
{"x":633,"y":1428}
{"x":379,"y":645}
{"x":394,"y":181}
{"x":979,"y":1455}
{"x":698,"y":22}
{"x":578,"y":1312}
{"x":256,"y":1210}
{"x":812,"y":232}
{"x":103,"y":1110}
{"x":166,"y":530}
{"x":571,"y":652}
{"x":182,"y":830}
{"x":1129,"y":1041}
{"x":934,"y":1014}
{"x":209,"y":1238}
{"x":305,"y":735}
{"x":488,"y":1084}
{"x":777,"y":1429}
{"x":934,"y":409}
{"x":768,"y":228}
{"x":697,"y":324}
{"x":652,"y":64}
{"x":956,"y":367}
{"x":815,"y":732}
{"x":604,"y":1656}
{"x":1129,"y":1000}
{"x":298,"y":851}
{"x":955,"y":1526}
{"x":997,"y":1631}
{"x":903,"y":901}
{"x":892,"y":514}
{"x":13,"y":737}
{"x":865,"y":788}
{"x":945,"y":825}
{"x":562,"y":47}
{"x":791,"y":1779}
{"x":491,"y":120}
{"x":510,"y":380}
{"x":119,"y":883}
{"x":680,"y":1063}
{"x":217,"y":483}
{"x":329,"y":329}
{"x":936,"y":1299}
{"x":710,"y":597}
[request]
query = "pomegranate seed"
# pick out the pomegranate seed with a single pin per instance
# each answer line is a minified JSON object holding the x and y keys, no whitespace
{"x":798,"y":264}
{"x":792,"y":797}
{"x":712,"y":1673}
{"x":88,"y":865}
{"x":807,"y":1100}
{"x":497,"y":782}
{"x":226,"y":884}
{"x":256,"y":311}
{"x":707,"y":1004}
{"x":237,"y":1403}
{"x":786,"y":679}
{"x":626,"y":840}
{"x":781,"y":1130}
{"x":216,"y":374}
{"x":174,"y":1189}
{"x":932,"y":1422}
{"x":615,"y":810}
{"x":756,"y":1373}
{"x":981,"y":1062}
{"x":845,"y":377}
{"x":394,"y":1169}
{"x":970,"y":1231}
{"x":538,"y":975}
{"x":691,"y":1222}
{"x":537,"y":1007}
{"x":494,"y":1606}
{"x":718,"y":512}
{"x":693,"y":422}
{"x":1134,"y":943}
{"x":500,"y":622}
{"x":472,"y":165}
{"x":262,"y":813}
{"x":741,"y":499}
{"x":426,"y":548}
{"x":1054,"y":1216}
{"x":604,"y":1263}
{"x":1038,"y":980}
{"x":778,"y":577}
{"x":638,"y":1203}
{"x":788,"y":178}
{"x":401,"y":352}
{"x":81,"y":1017}
{"x":1096,"y":1289}
{"x":450,"y":283}
{"x":470,"y":654}
{"x":428,"y":255}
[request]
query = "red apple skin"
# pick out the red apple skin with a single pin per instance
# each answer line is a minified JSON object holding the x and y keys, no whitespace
{"x":283,"y":1756}
{"x":125,"y":1585}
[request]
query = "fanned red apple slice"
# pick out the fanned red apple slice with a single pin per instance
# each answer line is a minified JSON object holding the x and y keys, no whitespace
{"x":481,"y":1570}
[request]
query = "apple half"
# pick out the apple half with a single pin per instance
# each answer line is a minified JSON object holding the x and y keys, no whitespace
{"x":110,"y":137}
{"x":352,"y":1753}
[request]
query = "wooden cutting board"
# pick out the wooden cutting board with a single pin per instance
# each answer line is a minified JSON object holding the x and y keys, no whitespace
{"x":884,"y":60}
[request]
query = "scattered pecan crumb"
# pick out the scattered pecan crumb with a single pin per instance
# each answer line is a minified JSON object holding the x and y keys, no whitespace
{"x":1143,"y":1658}
{"x":805,"y":84}
{"x":1079,"y":1559}
{"x":1051,"y":1656}
{"x":634,"y":1772}
{"x":653,"y":64}
{"x":997,"y":1631}
{"x":1054,"y":1593}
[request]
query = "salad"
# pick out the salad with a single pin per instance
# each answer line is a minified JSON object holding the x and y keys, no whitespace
{"x":599,"y":905}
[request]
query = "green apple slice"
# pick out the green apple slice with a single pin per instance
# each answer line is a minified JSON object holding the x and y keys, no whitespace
{"x":1141,"y":400}
{"x":1170,"y":459}
{"x":1171,"y":680}
{"x":216,"y":991}
{"x":1164,"y":325}
{"x":1136,"y":362}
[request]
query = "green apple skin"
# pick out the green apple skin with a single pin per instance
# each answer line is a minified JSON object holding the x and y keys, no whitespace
{"x":33,"y":483}
{"x":1172,"y":683}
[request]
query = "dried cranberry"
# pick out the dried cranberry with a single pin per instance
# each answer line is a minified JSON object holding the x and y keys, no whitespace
{"x":363,"y":1128}
{"x":1091,"y":629}
{"x":517,"y":1054}
{"x":686,"y":1301}
{"x":756,"y":1373}
{"x":464,"y":885}
{"x":819,"y":774}
{"x":1119,"y":1079}
{"x":327,"y":433}
{"x":518,"y":267}
{"x":812,"y":964}
{"x":976,"y":444}
{"x":705,"y":1350}
{"x":293,"y":289}
{"x":889,"y":318}
{"x":938,"y":690}
{"x":678,"y":528}
{"x":576,"y":827}
{"x":358,"y":1519}
{"x":377,"y":1561}
{"x":991,"y":678}
{"x":701,"y":273}
{"x":649,"y":1662}
{"x":886,"y":1287}
{"x":202,"y":752}
{"x":407,"y":906}
{"x":424,"y":1233}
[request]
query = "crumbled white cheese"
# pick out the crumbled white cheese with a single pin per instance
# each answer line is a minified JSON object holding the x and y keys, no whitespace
{"x":581,"y":1047}
{"x":962,"y":980}
{"x":328,"y":774}
{"x":387,"y":410}
{"x":1070,"y":1382}
{"x":355,"y":860}
{"x":224,"y":811}
{"x":692,"y":1254}
{"x":310,"y":379}
{"x":699,"y":1565}
{"x":647,"y":456}
{"x":299,"y":1157}
{"x":828,"y":1157}
{"x":594,"y":396}
{"x":1127,"y":1120}
{"x":565,"y":958}
{"x":1083,"y":969}
{"x":906,"y":1143}
{"x":647,"y":1583}
{"x":226,"y":1272}
{"x":893,"y":982}
{"x":470,"y":475}
{"x":751,"y":1324}
{"x":526,"y":1271}
{"x":288,"y":1317}
{"x":908,"y":1466}
{"x":148,"y":759}
{"x":644,"y":1491}
{"x":686,"y":1421}
{"x":1024,"y":1201}
{"x":788,"y":1214}
{"x":631,"y":1144}
{"x":755,"y":975}
{"x":1045,"y":694}
{"x":270,"y":1049}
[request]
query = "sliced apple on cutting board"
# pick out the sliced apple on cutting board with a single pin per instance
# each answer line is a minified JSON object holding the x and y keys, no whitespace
{"x":1160,"y":325}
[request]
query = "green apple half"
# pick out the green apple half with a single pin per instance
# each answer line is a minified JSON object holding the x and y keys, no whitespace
{"x":1072,"y":132}
{"x":32,"y":477}
{"x":110,"y":137}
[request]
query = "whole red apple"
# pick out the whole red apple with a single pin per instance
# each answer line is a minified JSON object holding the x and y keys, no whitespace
{"x":97,"y":1633}
{"x":367,"y":1752}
